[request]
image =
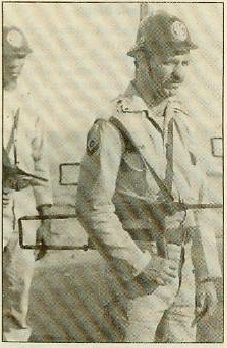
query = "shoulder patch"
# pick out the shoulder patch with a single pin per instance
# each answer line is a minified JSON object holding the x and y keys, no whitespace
{"x":93,"y":140}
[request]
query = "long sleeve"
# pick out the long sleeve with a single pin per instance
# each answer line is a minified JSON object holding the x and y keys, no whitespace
{"x":95,"y":209}
{"x":42,"y":189}
{"x":205,"y":252}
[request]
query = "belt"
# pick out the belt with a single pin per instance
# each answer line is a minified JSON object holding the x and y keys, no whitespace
{"x":172,"y":236}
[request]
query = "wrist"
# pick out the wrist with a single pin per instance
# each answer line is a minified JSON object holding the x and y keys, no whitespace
{"x":144,"y":262}
{"x":44,"y":209}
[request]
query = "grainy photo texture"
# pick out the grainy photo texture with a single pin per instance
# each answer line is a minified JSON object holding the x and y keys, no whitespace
{"x":112,"y":170}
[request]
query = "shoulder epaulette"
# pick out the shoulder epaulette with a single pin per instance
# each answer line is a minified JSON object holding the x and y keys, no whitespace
{"x":129,"y":104}
{"x":178,"y":106}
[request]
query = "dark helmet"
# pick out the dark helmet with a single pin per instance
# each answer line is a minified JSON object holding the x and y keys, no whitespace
{"x":162,"y":34}
{"x":14,"y":41}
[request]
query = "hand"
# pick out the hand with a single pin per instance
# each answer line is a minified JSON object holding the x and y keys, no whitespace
{"x":43,"y":238}
{"x":174,"y":220}
{"x":162,"y":271}
{"x":206,"y":300}
{"x":5,"y":197}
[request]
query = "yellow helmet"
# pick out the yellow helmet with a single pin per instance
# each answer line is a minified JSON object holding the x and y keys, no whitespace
{"x":162,"y":33}
{"x":14,"y":41}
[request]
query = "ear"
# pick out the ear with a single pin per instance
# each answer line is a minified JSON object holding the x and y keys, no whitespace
{"x":135,"y":62}
{"x":140,"y":54}
{"x":139,"y":59}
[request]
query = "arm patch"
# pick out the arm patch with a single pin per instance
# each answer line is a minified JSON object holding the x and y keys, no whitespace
{"x":93,"y":140}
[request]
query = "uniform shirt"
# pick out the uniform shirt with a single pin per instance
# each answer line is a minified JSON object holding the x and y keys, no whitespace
{"x":116,"y":189}
{"x":29,"y":140}
{"x":9,"y":113}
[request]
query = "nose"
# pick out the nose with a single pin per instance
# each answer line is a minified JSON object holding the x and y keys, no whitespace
{"x":15,"y":62}
{"x":178,"y":73}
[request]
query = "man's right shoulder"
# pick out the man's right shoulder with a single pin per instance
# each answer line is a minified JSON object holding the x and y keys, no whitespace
{"x":102,"y":125}
{"x":103,"y":133}
{"x":123,"y":107}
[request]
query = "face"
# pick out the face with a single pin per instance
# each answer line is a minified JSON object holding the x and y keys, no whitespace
{"x":168,"y":73}
{"x":12,"y":66}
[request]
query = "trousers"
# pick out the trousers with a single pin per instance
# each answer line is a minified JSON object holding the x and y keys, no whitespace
{"x":18,"y":265}
{"x":167,"y":313}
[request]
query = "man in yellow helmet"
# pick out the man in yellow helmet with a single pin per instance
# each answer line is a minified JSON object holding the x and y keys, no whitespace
{"x":140,"y":165}
{"x":26,"y":184}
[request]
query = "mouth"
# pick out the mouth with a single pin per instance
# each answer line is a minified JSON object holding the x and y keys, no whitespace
{"x":173,"y":85}
{"x":13,"y":73}
{"x":171,"y":88}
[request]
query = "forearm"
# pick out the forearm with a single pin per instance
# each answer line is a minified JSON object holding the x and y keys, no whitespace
{"x":42,"y":189}
{"x":205,"y":253}
{"x":207,"y":265}
{"x":94,"y":201}
{"x":112,"y":241}
{"x":44,"y":209}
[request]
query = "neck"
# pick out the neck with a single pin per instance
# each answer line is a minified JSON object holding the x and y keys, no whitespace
{"x":151,"y":97}
{"x":10,"y":85}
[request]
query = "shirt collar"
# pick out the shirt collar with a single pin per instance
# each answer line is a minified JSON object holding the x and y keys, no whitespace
{"x":138,"y":104}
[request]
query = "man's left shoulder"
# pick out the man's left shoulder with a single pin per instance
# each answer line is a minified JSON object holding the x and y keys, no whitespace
{"x":187,"y":122}
{"x":185,"y":113}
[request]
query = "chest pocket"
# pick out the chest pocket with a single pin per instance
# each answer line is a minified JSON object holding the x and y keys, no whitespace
{"x":133,"y":173}
{"x":133,"y":162}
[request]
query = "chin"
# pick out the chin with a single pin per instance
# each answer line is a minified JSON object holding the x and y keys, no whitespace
{"x":171,"y":92}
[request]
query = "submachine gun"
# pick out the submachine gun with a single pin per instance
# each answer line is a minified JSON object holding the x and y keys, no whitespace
{"x":15,"y":178}
{"x":158,"y":208}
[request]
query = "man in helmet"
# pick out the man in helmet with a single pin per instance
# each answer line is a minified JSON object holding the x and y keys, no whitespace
{"x":138,"y":164}
{"x":26,"y":185}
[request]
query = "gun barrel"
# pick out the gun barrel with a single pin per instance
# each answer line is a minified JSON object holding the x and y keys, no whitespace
{"x":202,"y":206}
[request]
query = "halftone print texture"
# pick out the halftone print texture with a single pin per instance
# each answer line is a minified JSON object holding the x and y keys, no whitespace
{"x":78,"y":65}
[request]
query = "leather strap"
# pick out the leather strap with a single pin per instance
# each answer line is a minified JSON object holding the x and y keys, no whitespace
{"x":169,"y":158}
